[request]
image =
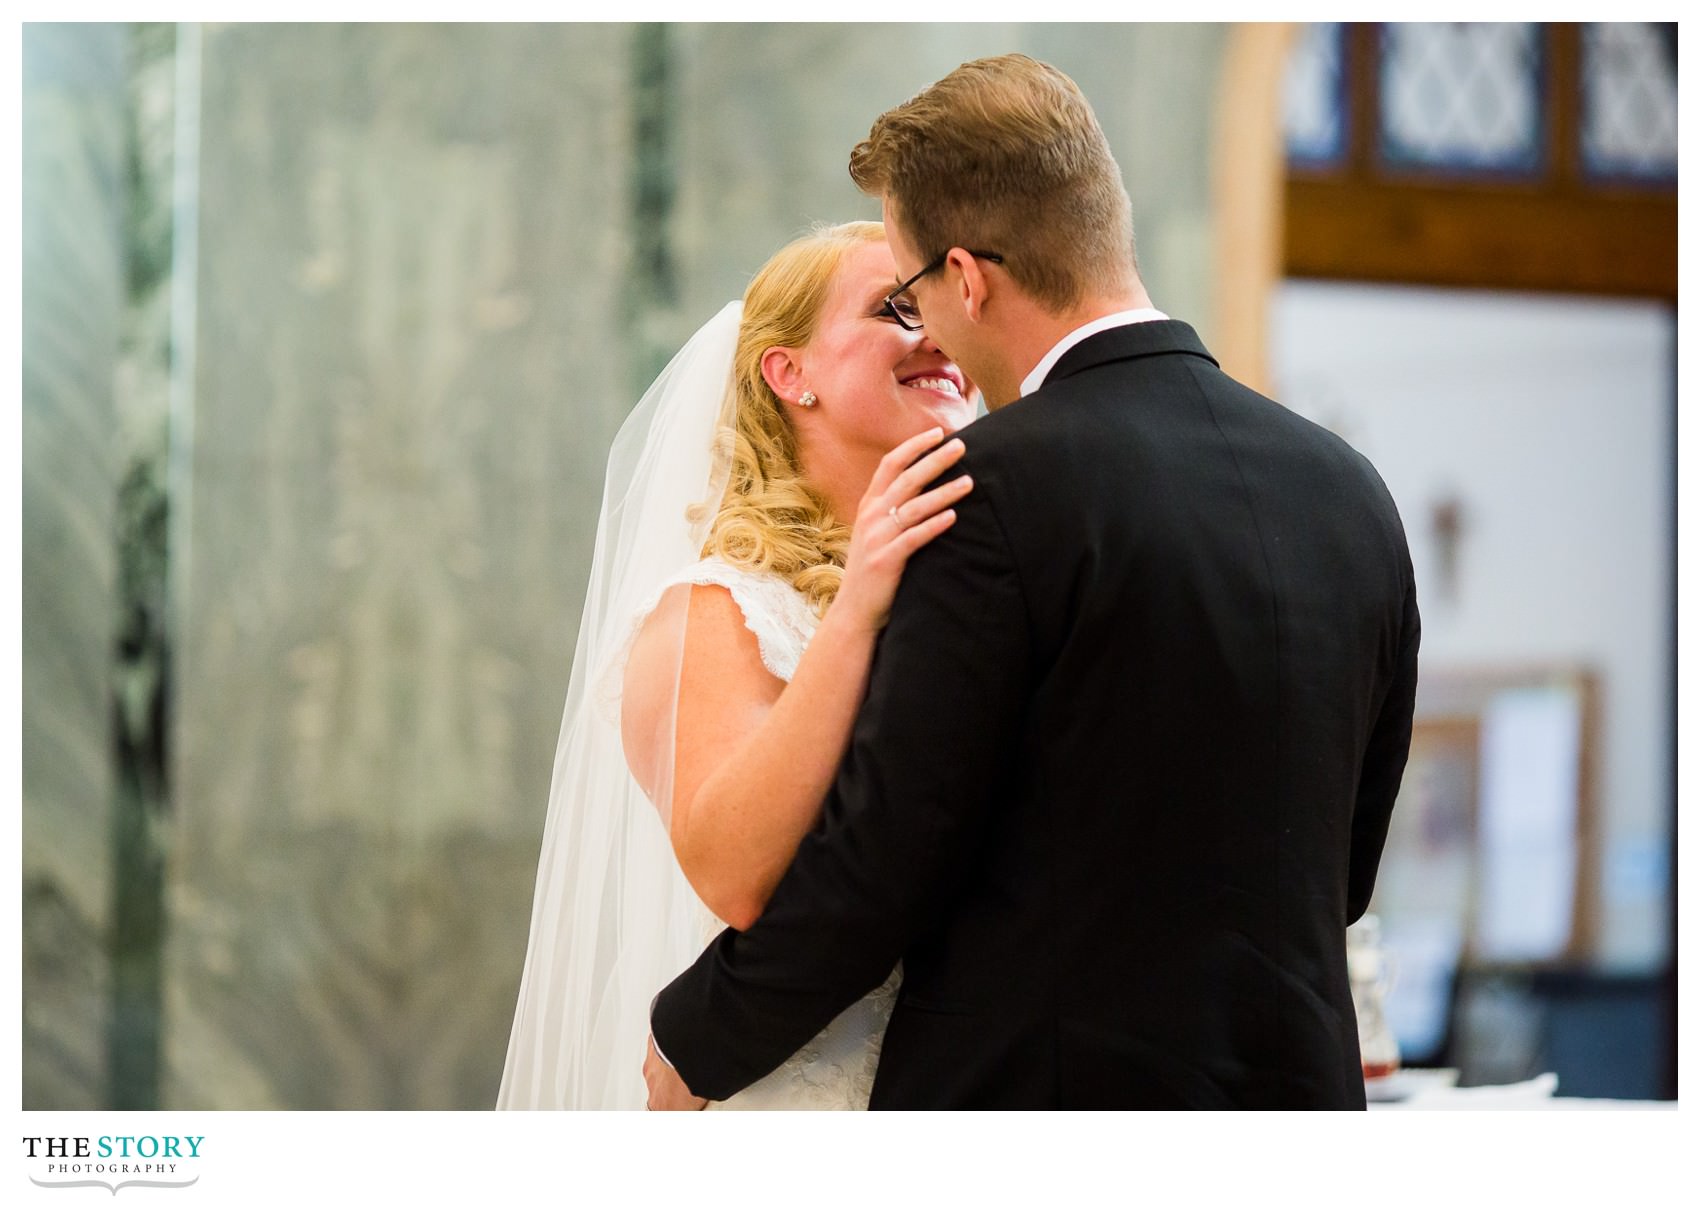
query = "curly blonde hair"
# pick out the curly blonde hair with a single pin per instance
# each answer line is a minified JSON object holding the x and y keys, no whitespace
{"x":770,"y":518}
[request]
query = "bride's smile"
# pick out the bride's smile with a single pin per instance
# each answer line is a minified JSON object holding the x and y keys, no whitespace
{"x":946,"y":383}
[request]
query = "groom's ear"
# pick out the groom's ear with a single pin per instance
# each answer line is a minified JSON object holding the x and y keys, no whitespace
{"x":972,"y":286}
{"x":784,"y":373}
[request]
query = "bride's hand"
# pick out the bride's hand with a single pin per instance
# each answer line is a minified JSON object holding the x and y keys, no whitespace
{"x":892,"y":523}
{"x":667,"y":1090}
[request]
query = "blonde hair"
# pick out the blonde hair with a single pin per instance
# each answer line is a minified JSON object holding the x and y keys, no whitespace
{"x":1005,"y":154}
{"x":770,"y":518}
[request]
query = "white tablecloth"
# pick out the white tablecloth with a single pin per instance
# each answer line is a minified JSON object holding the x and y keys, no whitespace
{"x":1431,"y":1090}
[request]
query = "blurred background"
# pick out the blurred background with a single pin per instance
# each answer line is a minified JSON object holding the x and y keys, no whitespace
{"x":327,"y":328}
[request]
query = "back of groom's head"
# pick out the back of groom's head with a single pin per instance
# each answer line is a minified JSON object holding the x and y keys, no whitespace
{"x":1005,"y":154}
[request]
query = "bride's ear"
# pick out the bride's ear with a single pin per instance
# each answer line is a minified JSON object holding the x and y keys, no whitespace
{"x":783,"y":371}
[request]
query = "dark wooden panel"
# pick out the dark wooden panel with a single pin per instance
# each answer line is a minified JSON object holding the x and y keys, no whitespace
{"x":1464,"y":236}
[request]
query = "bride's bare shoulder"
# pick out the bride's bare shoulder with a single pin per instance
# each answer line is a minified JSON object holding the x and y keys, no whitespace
{"x":695,"y":650}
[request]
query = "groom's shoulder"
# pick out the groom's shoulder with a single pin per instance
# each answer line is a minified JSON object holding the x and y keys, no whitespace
{"x":1022,"y":428}
{"x":1021,"y":420}
{"x":1001,"y":437}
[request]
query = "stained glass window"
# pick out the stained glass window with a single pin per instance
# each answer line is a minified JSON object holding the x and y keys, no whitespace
{"x":1462,"y":96}
{"x":1313,"y":109}
{"x":1629,"y":100}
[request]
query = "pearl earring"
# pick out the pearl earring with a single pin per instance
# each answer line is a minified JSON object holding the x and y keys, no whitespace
{"x":808,"y":399}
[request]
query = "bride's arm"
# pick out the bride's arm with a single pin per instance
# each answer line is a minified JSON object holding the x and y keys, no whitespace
{"x":754,"y":756}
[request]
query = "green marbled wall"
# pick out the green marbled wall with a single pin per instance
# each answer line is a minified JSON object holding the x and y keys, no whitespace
{"x":73,"y":299}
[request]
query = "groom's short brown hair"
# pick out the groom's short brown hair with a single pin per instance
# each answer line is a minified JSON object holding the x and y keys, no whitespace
{"x":1006,"y":155}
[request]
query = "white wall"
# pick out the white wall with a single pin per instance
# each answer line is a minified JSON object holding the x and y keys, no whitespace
{"x":1550,"y":420}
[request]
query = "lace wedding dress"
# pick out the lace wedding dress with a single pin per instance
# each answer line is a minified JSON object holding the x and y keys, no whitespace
{"x":835,"y":1070}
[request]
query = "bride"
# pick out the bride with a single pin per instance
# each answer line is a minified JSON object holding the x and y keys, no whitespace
{"x":761,"y":503}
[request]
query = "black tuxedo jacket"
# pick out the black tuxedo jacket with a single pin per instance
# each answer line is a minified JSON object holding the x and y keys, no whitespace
{"x":1123,"y":773}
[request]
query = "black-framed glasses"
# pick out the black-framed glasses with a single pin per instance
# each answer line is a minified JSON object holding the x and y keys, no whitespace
{"x":905,"y":310}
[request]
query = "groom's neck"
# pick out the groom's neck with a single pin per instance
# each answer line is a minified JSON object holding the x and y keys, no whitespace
{"x":1032,"y":331}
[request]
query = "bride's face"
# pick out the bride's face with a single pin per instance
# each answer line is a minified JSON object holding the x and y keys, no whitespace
{"x":878,"y":383}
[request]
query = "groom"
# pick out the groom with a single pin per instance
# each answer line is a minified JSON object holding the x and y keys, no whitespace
{"x":1133,"y":732}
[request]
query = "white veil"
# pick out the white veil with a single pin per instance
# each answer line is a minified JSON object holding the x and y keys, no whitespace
{"x":613,"y":919}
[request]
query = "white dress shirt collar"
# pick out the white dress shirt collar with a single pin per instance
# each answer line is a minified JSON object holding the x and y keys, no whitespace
{"x":1036,"y":377}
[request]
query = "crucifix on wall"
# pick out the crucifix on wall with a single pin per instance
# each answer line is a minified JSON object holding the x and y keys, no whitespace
{"x":1446,"y":519}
